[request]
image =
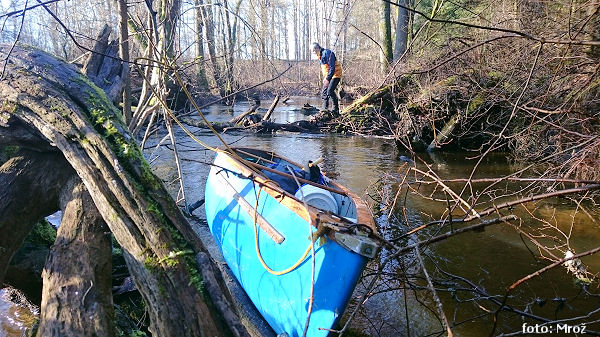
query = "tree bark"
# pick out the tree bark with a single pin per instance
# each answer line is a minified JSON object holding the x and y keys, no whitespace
{"x":124,"y":54}
{"x":103,"y":66}
{"x":23,"y":203}
{"x":207,"y":16}
{"x":76,"y":296}
{"x":200,"y":61}
{"x":55,"y":99}
{"x":401,"y":30}
{"x":385,"y":36}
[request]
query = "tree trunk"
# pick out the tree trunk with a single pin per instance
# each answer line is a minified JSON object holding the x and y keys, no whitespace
{"x":104,"y":68}
{"x":296,"y":23}
{"x":385,"y":36}
{"x":23,"y":203}
{"x":401,"y":30}
{"x":230,"y":46}
{"x":200,"y":61}
{"x":76,"y":296}
{"x":306,"y":30}
{"x":57,"y":101}
{"x":207,"y":16}
{"x":124,"y":54}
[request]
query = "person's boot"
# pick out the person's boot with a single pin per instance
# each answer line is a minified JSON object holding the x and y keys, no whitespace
{"x":336,"y":108}
{"x":325,"y":106}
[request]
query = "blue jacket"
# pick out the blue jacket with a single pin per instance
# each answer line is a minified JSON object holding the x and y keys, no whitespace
{"x":329,"y":65}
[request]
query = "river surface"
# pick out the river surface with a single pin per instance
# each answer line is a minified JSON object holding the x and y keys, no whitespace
{"x":15,"y":320}
{"x":492,"y":259}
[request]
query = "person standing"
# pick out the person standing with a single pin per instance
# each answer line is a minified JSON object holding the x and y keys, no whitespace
{"x":332,"y":73}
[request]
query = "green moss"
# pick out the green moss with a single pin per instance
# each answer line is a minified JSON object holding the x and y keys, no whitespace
{"x":148,"y":177}
{"x":476,"y":102}
{"x":155,"y":209}
{"x":151,"y":263}
{"x":446,"y":82}
{"x":7,"y":152}
{"x":43,"y":233}
{"x":108,"y":122}
{"x":117,"y":251}
{"x":172,"y":259}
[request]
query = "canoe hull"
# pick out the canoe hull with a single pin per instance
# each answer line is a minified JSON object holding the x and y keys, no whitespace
{"x":283,"y":300}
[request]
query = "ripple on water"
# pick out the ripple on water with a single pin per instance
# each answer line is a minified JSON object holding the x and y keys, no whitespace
{"x":16,"y":320}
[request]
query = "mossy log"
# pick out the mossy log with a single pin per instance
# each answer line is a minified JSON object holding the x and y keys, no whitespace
{"x":67,"y":111}
{"x":444,"y":134}
{"x":383,"y":95}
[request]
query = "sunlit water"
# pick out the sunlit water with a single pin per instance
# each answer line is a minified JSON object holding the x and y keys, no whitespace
{"x":492,"y":259}
{"x":15,"y":320}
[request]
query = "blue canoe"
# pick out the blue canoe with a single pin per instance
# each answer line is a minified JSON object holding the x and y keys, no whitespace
{"x":267,"y":243}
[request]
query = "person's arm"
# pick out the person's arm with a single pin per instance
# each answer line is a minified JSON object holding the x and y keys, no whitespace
{"x":331,"y":62}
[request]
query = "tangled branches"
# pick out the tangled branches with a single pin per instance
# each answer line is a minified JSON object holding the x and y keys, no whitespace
{"x":486,"y":256}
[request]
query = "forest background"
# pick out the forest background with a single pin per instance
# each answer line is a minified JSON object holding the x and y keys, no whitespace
{"x":518,"y":75}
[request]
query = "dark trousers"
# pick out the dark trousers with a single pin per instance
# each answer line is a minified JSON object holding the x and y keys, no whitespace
{"x":329,"y":92}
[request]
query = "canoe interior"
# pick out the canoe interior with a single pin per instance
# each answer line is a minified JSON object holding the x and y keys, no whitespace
{"x":346,"y":207}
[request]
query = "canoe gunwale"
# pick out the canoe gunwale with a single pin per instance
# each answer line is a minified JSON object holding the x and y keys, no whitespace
{"x":312,"y":214}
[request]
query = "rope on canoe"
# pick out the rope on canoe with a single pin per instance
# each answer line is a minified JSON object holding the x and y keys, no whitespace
{"x":260,"y":258}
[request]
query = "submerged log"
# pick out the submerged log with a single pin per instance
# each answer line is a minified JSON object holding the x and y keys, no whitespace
{"x":271,"y":108}
{"x":440,"y":138}
{"x":76,"y":296}
{"x":72,"y":114}
{"x":258,"y":124}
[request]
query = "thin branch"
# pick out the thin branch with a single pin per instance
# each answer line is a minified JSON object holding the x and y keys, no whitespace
{"x":14,"y":42}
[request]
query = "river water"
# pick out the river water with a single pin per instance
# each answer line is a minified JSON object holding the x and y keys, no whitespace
{"x":492,"y":259}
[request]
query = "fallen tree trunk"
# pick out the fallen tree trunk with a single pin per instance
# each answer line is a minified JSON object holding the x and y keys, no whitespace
{"x":237,"y":119}
{"x":77,"y":290}
{"x":31,"y":182}
{"x":258,"y":124}
{"x":158,"y":243}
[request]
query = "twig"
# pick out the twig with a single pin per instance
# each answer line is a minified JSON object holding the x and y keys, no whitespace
{"x":449,"y":191}
{"x":436,"y":298}
{"x":494,"y":208}
{"x":545,"y":269}
{"x":441,"y":237}
{"x":198,"y":108}
{"x":496,"y":29}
